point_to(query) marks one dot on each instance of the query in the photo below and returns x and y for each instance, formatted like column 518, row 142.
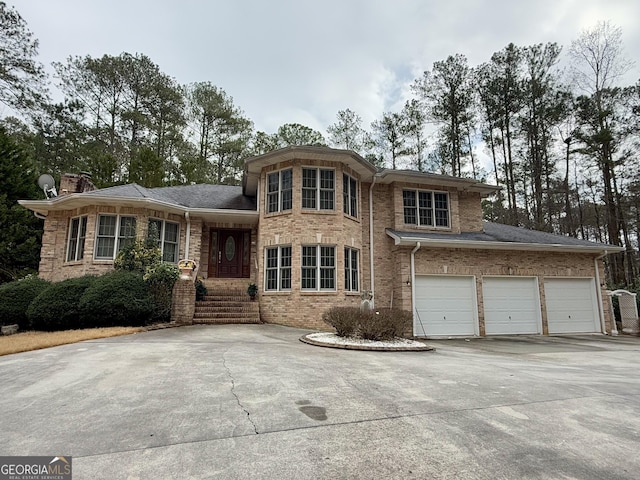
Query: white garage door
column 511, row 305
column 446, row 305
column 571, row 305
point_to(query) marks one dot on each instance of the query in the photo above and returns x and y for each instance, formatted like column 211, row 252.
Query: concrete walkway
column 251, row 401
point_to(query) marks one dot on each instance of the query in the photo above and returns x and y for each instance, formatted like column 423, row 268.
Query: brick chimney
column 76, row 183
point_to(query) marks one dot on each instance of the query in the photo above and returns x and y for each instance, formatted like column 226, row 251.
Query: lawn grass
column 27, row 341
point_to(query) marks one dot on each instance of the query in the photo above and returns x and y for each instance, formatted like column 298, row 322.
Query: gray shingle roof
column 191, row 196
column 497, row 232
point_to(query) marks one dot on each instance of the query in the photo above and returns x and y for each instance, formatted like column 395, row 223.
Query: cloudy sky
column 287, row 61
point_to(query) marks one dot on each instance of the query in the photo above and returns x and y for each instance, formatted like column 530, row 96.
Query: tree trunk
column 569, row 228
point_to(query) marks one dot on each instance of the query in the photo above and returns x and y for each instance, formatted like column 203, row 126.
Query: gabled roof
column 501, row 237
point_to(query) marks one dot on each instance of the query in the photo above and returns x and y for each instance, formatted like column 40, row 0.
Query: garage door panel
column 511, row 305
column 445, row 305
column 571, row 305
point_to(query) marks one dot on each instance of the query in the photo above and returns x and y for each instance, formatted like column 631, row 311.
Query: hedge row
column 15, row 298
column 382, row 324
column 118, row 298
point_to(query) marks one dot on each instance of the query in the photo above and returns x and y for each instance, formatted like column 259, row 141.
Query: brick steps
column 228, row 316
column 227, row 298
column 227, row 284
column 239, row 308
column 226, row 305
column 224, row 321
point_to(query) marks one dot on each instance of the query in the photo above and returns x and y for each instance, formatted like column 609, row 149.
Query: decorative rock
column 9, row 329
column 331, row 340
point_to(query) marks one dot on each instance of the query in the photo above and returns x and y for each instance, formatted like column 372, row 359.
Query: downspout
column 188, row 235
column 258, row 196
column 39, row 215
column 599, row 295
column 258, row 246
column 372, row 282
column 413, row 276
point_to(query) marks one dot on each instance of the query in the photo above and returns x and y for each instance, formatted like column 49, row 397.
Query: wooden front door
column 229, row 253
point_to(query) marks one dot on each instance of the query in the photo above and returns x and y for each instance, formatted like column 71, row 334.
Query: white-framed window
column 167, row 236
column 278, row 268
column 279, row 191
column 426, row 208
column 349, row 195
column 351, row 270
column 113, row 233
column 318, row 267
column 318, row 189
column 77, row 235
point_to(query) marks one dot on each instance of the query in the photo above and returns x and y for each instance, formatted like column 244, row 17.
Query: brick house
column 316, row 227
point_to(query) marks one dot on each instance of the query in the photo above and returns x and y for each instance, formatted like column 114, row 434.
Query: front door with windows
column 229, row 253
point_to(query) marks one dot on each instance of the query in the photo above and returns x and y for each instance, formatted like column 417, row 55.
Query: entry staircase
column 226, row 302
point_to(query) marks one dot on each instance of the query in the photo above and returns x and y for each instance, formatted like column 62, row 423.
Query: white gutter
column 187, row 235
column 373, row 289
column 614, row 329
column 497, row 245
column 76, row 200
column 258, row 197
column 413, row 277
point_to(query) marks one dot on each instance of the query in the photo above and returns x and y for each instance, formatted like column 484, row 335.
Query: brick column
column 183, row 302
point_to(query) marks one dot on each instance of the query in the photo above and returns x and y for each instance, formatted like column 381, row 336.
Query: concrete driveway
column 253, row 402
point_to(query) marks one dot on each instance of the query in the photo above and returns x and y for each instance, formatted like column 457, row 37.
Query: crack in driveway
column 233, row 392
column 362, row 421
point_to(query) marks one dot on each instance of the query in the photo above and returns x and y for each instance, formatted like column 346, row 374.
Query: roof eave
column 495, row 245
column 43, row 207
column 78, row 200
column 237, row 216
column 463, row 184
column 253, row 166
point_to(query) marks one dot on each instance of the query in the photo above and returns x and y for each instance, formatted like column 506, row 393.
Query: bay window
column 318, row 267
column 318, row 189
column 76, row 240
column 349, row 195
column 279, row 191
column 167, row 237
column 114, row 232
column 351, row 271
column 278, row 268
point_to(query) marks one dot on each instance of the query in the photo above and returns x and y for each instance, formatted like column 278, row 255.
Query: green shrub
column 201, row 290
column 118, row 298
column 57, row 307
column 137, row 256
column 344, row 319
column 384, row 324
column 160, row 277
column 15, row 298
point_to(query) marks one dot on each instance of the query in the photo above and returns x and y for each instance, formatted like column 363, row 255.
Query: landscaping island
column 331, row 340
